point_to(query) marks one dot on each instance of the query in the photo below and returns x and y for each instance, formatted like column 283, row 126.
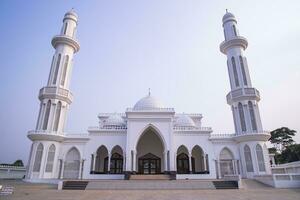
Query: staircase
column 74, row 185
column 226, row 184
column 150, row 177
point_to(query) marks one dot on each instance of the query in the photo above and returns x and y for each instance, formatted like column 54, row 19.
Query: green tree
column 18, row 163
column 282, row 137
column 290, row 154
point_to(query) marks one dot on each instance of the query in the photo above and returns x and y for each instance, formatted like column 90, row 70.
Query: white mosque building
column 149, row 138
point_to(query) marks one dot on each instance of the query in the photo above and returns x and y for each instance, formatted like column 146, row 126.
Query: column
column 204, row 162
column 190, row 163
column 134, row 161
column 124, row 162
column 94, row 162
column 165, row 161
column 219, row 169
column 80, row 168
column 62, row 169
column 108, row 162
column 233, row 166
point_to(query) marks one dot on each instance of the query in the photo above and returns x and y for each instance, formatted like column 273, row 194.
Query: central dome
column 148, row 103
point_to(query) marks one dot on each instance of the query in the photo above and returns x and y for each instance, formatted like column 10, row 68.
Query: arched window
column 63, row 78
column 52, row 62
column 260, row 158
column 252, row 116
column 234, row 30
column 56, row 68
column 242, row 117
column 46, row 117
column 38, row 158
column 65, row 29
column 235, row 74
column 183, row 166
column 57, row 116
column 243, row 70
column 50, row 158
column 248, row 159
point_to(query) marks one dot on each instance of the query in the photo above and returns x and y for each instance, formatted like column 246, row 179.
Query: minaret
column 243, row 97
column 55, row 101
column 56, row 97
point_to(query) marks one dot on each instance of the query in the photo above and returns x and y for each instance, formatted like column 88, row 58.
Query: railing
column 187, row 128
column 253, row 132
column 94, row 128
column 45, row 132
column 222, row 135
column 241, row 92
column 56, row 91
column 151, row 110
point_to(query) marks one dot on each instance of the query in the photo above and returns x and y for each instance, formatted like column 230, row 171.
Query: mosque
column 149, row 138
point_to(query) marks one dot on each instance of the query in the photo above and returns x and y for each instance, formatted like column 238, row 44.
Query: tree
column 290, row 154
column 18, row 163
column 282, row 137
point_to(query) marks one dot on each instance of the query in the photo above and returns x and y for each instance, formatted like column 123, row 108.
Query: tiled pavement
column 27, row 191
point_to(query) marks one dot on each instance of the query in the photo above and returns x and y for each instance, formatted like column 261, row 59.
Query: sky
column 170, row 46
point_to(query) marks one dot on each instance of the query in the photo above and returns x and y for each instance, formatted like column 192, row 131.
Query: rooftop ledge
column 151, row 110
column 53, row 135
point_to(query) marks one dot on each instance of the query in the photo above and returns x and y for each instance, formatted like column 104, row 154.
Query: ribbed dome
column 148, row 103
column 114, row 120
column 228, row 16
column 184, row 120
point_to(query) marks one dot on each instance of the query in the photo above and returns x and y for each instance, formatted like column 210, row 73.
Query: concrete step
column 226, row 184
column 149, row 184
column 74, row 185
column 150, row 177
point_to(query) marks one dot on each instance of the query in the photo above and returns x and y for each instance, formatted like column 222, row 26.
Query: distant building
column 148, row 138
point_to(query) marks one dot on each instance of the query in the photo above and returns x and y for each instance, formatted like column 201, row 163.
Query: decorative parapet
column 237, row 41
column 191, row 128
column 222, row 136
column 56, row 93
column 243, row 94
column 152, row 110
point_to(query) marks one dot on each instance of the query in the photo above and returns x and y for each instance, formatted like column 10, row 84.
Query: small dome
column 228, row 17
column 184, row 120
column 71, row 15
column 148, row 103
column 114, row 120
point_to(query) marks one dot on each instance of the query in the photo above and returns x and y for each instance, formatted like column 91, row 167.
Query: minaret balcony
column 242, row 94
column 64, row 39
column 45, row 135
column 56, row 93
column 238, row 41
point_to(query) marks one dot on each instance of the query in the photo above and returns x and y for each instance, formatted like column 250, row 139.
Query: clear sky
column 170, row 46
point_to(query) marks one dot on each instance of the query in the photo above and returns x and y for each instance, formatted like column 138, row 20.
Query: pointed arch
column 57, row 116
column 248, row 158
column 116, row 160
column 260, row 158
column 225, row 159
column 47, row 113
column 235, row 73
column 198, row 159
column 182, row 160
column 155, row 130
column 56, row 69
column 101, row 160
column 38, row 158
column 50, row 158
column 242, row 116
column 72, row 164
column 252, row 116
column 150, row 142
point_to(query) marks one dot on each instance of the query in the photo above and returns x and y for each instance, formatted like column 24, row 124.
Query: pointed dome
column 148, row 103
column 114, row 120
column 228, row 17
column 184, row 120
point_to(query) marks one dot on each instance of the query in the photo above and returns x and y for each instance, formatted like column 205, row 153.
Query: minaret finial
column 149, row 91
column 226, row 10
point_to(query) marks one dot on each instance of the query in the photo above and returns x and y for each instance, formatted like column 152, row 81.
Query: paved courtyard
column 27, row 191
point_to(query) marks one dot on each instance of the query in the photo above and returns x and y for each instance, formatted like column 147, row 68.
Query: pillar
column 94, row 162
column 108, row 162
column 190, row 163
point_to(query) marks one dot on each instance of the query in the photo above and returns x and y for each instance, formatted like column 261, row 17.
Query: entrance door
column 149, row 164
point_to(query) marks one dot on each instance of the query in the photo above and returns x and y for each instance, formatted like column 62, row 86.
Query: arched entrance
column 226, row 162
column 72, row 164
column 116, row 160
column 101, row 166
column 182, row 160
column 149, row 155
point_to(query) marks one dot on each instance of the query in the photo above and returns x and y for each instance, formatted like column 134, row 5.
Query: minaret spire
column 243, row 97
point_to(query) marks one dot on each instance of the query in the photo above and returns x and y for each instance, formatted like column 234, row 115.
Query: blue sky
column 170, row 46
